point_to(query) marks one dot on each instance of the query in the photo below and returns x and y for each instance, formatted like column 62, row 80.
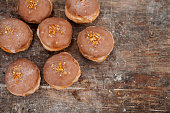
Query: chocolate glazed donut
column 95, row 43
column 82, row 11
column 61, row 70
column 22, row 77
column 55, row 33
column 34, row 11
column 15, row 35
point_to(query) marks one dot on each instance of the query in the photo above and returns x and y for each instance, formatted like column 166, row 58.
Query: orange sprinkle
column 94, row 38
column 60, row 68
column 15, row 67
column 118, row 93
column 9, row 30
column 61, row 32
column 32, row 4
column 16, row 82
column 16, row 75
column 53, row 29
column 84, row 3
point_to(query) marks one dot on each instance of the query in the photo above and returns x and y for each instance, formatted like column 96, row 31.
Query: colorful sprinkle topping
column 9, row 30
column 53, row 29
column 94, row 38
column 60, row 68
column 32, row 4
column 17, row 75
column 82, row 1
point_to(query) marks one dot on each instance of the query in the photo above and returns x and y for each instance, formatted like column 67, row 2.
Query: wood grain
column 134, row 78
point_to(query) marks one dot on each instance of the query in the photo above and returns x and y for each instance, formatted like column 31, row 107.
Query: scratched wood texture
column 134, row 78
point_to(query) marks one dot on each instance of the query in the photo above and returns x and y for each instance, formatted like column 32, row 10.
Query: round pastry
column 55, row 33
column 95, row 43
column 15, row 35
column 61, row 71
column 82, row 11
column 34, row 11
column 22, row 77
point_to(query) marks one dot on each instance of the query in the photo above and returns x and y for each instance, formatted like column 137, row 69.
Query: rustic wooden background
column 134, row 78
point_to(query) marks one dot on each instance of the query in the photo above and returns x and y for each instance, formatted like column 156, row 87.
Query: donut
column 82, row 11
column 55, row 33
column 61, row 71
column 22, row 77
column 15, row 35
column 95, row 43
column 34, row 11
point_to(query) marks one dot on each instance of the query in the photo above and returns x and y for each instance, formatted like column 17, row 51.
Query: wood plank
column 134, row 78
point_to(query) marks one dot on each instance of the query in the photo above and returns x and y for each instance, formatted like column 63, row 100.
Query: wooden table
column 134, row 78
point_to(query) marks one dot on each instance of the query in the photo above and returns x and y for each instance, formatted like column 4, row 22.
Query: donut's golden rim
column 80, row 19
column 100, row 59
column 63, row 87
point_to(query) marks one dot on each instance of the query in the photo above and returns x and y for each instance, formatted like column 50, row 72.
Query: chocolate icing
column 88, row 48
column 83, row 9
column 71, row 70
column 16, row 37
column 27, row 81
column 62, row 40
column 41, row 11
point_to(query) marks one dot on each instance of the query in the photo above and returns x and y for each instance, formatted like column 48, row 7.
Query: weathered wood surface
column 134, row 78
